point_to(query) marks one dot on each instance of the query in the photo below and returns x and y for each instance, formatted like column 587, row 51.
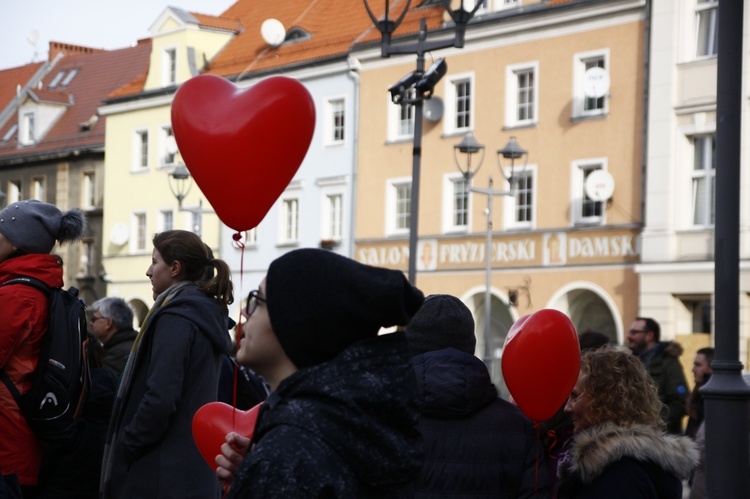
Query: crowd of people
column 345, row 410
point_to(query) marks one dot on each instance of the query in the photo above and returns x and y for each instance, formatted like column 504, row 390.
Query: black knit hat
column 320, row 303
column 442, row 322
column 33, row 226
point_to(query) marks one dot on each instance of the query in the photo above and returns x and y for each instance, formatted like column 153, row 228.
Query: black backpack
column 61, row 380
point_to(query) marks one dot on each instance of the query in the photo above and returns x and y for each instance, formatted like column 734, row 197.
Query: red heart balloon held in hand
column 242, row 146
column 540, row 362
column 213, row 421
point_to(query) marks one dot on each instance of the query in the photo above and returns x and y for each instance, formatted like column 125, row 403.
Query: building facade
column 524, row 72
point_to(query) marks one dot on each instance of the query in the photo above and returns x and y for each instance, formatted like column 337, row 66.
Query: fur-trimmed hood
column 595, row 448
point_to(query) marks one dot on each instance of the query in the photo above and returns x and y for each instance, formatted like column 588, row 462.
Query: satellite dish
column 33, row 37
column 273, row 32
column 596, row 82
column 119, row 234
column 599, row 185
column 170, row 144
column 433, row 109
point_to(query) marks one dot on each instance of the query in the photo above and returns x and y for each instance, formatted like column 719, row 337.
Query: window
column 455, row 203
column 69, row 78
column 521, row 98
column 89, row 190
column 520, row 209
column 704, row 180
column 333, row 219
column 289, row 221
column 401, row 119
column 56, row 80
column 29, row 124
column 251, row 237
column 459, row 104
column 196, row 223
column 13, row 129
column 88, row 257
column 693, row 314
column 139, row 229
column 707, row 12
column 15, row 192
column 585, row 209
column 140, row 150
column 167, row 146
column 335, row 121
column 398, row 206
column 37, row 189
column 169, row 68
column 587, row 105
column 167, row 220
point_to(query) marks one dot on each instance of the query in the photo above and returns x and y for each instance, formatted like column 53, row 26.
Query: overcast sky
column 109, row 24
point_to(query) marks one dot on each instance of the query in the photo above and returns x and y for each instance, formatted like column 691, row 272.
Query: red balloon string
column 553, row 436
column 237, row 238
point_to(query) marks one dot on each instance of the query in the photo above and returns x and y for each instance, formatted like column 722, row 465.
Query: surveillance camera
column 433, row 75
column 399, row 89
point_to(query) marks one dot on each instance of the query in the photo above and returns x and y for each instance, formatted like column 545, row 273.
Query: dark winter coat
column 342, row 429
column 117, row 350
column 626, row 463
column 175, row 372
column 663, row 364
column 476, row 444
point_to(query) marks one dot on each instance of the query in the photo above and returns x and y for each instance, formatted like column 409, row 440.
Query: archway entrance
column 501, row 319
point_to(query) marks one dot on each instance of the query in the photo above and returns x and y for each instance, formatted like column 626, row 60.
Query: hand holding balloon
column 540, row 362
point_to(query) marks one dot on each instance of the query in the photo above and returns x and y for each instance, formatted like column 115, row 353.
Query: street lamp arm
column 419, row 47
column 492, row 192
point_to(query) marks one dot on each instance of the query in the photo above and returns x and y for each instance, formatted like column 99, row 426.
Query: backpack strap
column 34, row 283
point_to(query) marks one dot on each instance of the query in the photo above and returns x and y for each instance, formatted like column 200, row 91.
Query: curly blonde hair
column 619, row 389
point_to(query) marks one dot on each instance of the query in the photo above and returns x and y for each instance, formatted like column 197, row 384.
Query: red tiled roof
column 334, row 25
column 50, row 96
column 11, row 78
column 99, row 73
column 218, row 22
column 559, row 2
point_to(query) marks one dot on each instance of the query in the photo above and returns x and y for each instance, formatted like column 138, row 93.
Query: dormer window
column 296, row 35
column 169, row 66
column 29, row 128
column 69, row 78
column 59, row 76
column 10, row 132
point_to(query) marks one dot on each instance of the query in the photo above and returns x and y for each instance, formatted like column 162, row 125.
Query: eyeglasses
column 95, row 318
column 252, row 302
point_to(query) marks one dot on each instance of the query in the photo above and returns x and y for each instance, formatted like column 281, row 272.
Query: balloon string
column 237, row 238
column 537, row 424
column 553, row 436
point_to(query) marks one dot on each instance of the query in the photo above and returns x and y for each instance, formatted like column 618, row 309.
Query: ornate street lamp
column 417, row 86
column 180, row 183
column 468, row 148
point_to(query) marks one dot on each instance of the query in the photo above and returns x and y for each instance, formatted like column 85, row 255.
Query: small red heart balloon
column 212, row 423
column 242, row 146
column 540, row 362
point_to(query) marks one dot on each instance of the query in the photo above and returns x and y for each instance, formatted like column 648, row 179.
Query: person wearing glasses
column 662, row 362
column 341, row 419
column 112, row 326
column 173, row 370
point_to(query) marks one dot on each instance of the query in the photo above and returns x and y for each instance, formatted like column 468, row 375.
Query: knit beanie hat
column 33, row 226
column 442, row 322
column 320, row 303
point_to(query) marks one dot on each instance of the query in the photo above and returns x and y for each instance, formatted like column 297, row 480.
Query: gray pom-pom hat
column 33, row 226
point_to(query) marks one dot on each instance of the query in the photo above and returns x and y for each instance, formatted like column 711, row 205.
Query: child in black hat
column 341, row 420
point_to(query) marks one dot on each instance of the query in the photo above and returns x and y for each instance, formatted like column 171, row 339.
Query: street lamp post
column 416, row 87
column 469, row 146
column 180, row 183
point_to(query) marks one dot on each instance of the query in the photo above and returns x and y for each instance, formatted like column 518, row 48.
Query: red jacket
column 23, row 322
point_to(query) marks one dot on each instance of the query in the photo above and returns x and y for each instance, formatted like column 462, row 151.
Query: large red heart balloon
column 540, row 362
column 242, row 146
column 213, row 421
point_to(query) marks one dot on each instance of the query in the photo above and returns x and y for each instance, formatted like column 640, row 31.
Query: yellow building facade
column 141, row 155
